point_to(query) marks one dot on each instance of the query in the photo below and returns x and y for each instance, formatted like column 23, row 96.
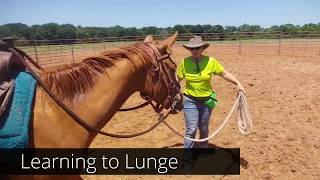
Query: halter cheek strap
column 159, row 71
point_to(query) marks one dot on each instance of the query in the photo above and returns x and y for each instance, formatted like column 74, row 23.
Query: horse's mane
column 69, row 81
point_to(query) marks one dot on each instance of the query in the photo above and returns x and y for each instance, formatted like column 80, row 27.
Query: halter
column 160, row 72
column 158, row 68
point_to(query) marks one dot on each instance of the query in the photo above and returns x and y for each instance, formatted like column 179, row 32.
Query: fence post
column 61, row 49
column 319, row 52
column 252, row 47
column 104, row 44
column 35, row 51
column 72, row 53
column 49, row 52
column 239, row 44
column 279, row 45
column 291, row 45
column 305, row 48
column 204, row 36
column 95, row 46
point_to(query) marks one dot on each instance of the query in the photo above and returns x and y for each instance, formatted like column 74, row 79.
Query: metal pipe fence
column 63, row 51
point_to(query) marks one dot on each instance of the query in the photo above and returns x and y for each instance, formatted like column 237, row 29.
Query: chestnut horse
column 94, row 89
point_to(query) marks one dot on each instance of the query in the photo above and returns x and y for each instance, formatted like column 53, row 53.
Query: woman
column 197, row 70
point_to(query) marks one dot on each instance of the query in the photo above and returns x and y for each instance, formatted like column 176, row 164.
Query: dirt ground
column 284, row 101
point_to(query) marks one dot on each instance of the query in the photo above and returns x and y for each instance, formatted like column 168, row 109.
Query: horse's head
column 162, row 85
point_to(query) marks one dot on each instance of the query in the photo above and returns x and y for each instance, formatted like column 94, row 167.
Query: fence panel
column 62, row 51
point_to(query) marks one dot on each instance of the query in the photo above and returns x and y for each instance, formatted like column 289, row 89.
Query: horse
column 95, row 89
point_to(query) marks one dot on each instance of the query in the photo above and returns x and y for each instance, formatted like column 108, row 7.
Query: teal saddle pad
column 15, row 121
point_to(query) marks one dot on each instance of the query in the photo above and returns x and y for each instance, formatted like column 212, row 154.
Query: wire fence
column 63, row 51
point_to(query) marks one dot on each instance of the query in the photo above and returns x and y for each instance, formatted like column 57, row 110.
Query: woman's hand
column 240, row 87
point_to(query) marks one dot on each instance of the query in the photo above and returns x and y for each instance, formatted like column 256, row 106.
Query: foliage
column 68, row 31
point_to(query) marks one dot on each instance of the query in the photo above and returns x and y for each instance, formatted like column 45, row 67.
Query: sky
column 160, row 13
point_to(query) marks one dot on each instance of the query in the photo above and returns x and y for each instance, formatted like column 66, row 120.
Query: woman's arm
column 229, row 77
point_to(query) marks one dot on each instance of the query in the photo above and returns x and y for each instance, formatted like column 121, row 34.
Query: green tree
column 255, row 28
column 244, row 28
column 290, row 28
column 217, row 29
column 149, row 30
column 230, row 29
column 50, row 31
column 67, row 31
column 179, row 28
column 197, row 29
column 311, row 27
column 18, row 30
column 274, row 28
column 37, row 32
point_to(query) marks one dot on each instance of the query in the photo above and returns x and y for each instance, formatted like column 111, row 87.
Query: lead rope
column 244, row 120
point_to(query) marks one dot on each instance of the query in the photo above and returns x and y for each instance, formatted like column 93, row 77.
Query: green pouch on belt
column 212, row 101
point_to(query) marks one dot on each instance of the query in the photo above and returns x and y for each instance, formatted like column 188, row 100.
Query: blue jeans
column 197, row 115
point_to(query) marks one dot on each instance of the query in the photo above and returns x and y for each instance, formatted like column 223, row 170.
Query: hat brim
column 190, row 46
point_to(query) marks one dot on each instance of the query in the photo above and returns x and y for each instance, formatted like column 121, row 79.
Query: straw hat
column 195, row 42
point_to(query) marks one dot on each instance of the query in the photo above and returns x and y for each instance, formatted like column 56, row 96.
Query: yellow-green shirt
column 198, row 83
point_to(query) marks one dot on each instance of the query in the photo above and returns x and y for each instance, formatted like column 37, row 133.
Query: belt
column 202, row 99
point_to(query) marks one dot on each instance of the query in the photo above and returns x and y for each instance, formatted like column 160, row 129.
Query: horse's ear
column 166, row 44
column 148, row 39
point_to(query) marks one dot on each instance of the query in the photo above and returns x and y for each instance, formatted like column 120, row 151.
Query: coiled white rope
column 244, row 120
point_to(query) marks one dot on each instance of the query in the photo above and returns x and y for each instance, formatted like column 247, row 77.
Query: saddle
column 8, row 63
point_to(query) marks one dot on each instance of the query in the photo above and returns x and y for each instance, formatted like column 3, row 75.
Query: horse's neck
column 53, row 127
